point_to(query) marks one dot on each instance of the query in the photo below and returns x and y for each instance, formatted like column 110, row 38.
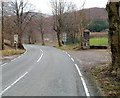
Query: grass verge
column 67, row 47
column 109, row 83
column 11, row 52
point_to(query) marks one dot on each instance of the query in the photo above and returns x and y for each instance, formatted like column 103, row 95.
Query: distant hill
column 96, row 13
column 92, row 13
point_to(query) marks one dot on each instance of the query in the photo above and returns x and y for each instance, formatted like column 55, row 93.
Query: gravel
column 91, row 58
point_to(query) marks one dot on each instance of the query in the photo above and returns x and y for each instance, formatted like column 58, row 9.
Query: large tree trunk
column 114, row 22
column 20, row 45
column 29, row 39
column 81, row 41
column 12, row 38
column 58, row 37
column 42, row 36
column 2, row 26
column 43, row 43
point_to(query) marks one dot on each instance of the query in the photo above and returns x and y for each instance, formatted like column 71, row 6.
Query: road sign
column 16, row 38
column 64, row 37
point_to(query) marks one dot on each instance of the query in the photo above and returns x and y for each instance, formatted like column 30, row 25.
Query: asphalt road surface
column 43, row 71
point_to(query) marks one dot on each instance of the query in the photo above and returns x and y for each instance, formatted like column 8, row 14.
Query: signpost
column 64, row 37
column 16, row 40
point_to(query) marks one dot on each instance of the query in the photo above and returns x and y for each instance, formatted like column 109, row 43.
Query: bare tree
column 83, row 22
column 8, row 29
column 40, row 23
column 58, row 9
column 75, row 22
column 70, row 21
column 22, row 17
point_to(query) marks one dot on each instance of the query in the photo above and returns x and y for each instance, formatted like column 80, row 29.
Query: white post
column 16, row 40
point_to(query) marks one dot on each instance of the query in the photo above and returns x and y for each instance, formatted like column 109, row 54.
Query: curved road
column 43, row 71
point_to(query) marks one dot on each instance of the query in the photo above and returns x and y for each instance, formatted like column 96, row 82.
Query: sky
column 45, row 7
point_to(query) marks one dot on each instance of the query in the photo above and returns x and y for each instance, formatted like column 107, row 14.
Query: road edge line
column 72, row 59
column 83, row 81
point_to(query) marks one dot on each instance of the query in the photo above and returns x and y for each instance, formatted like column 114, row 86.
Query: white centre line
column 83, row 81
column 40, row 57
column 13, row 83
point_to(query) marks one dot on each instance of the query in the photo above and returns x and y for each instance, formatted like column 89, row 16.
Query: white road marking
column 13, row 83
column 78, row 70
column 40, row 57
column 83, row 81
column 72, row 59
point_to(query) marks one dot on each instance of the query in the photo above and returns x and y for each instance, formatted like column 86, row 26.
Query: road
column 43, row 71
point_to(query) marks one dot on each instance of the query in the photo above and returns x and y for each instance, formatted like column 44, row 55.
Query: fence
column 91, row 39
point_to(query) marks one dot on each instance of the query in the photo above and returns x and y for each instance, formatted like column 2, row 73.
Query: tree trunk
column 2, row 27
column 114, row 30
column 20, row 45
column 81, row 39
column 29, row 39
column 43, row 43
column 12, row 38
column 58, row 37
column 42, row 36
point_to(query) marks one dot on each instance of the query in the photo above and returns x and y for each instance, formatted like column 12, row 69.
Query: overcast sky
column 44, row 5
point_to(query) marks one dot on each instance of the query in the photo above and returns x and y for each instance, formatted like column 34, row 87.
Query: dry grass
column 48, row 43
column 68, row 47
column 11, row 52
column 107, row 81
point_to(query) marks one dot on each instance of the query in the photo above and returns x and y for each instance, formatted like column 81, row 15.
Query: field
column 98, row 41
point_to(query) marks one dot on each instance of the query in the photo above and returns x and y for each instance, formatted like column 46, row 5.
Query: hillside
column 96, row 13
